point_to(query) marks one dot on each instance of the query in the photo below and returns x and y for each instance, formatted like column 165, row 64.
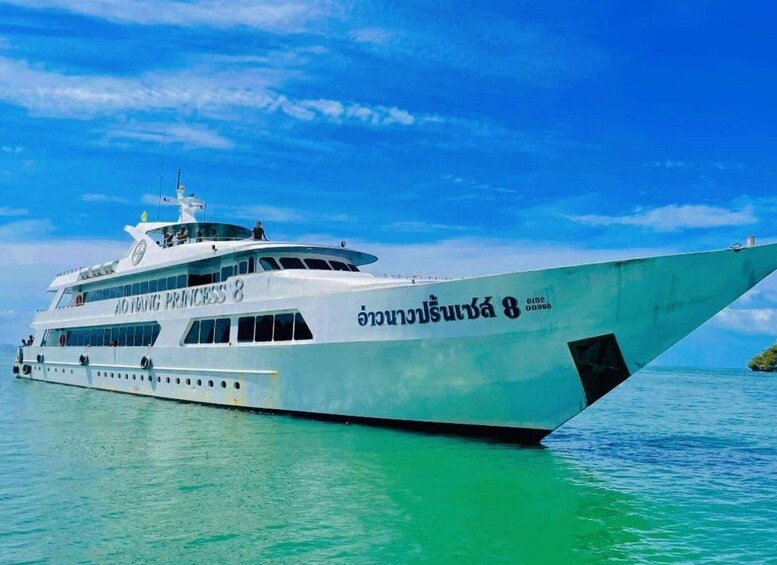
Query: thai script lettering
column 430, row 312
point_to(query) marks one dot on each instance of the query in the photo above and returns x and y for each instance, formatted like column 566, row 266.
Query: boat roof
column 154, row 247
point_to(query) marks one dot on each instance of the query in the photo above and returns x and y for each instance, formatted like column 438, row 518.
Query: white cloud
column 97, row 197
column 674, row 217
column 265, row 213
column 749, row 321
column 278, row 15
column 11, row 149
column 193, row 136
column 207, row 92
column 422, row 227
column 153, row 200
column 670, row 164
column 25, row 229
column 6, row 211
column 372, row 35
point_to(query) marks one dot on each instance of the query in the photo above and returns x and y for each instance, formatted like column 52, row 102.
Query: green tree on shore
column 765, row 361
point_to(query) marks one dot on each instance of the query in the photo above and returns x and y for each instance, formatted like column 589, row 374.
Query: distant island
column 766, row 361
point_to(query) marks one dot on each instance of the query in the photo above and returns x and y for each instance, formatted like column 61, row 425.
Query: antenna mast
column 207, row 175
column 161, row 177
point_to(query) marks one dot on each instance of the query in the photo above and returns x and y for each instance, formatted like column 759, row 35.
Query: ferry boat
column 204, row 312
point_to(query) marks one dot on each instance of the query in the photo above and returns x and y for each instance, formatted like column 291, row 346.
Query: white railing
column 421, row 277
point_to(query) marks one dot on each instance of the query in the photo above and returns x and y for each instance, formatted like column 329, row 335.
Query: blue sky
column 444, row 136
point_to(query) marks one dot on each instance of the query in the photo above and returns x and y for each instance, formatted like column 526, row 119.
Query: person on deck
column 182, row 236
column 31, row 340
column 258, row 233
column 168, row 240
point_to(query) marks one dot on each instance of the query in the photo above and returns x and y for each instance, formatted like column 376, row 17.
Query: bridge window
column 319, row 264
column 269, row 264
column 292, row 263
column 338, row 265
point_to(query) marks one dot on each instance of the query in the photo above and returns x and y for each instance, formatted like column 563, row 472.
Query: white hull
column 496, row 375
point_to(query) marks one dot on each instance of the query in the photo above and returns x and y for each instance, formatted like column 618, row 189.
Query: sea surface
column 673, row 466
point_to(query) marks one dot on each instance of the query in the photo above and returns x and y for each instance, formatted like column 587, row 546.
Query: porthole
column 188, row 382
column 210, row 384
column 134, row 377
column 126, row 377
column 199, row 382
column 167, row 380
column 141, row 377
column 98, row 373
column 159, row 379
column 48, row 369
column 223, row 384
column 177, row 381
column 237, row 385
column 71, row 371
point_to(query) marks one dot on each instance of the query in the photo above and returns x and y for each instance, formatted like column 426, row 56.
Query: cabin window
column 245, row 329
column 138, row 336
column 222, row 330
column 301, row 329
column 194, row 334
column 251, row 264
column 243, row 267
column 353, row 267
column 148, row 335
column 153, row 286
column 338, row 265
column 292, row 263
column 119, row 335
column 318, row 264
column 162, row 284
column 269, row 264
column 112, row 292
column 181, row 281
column 227, row 272
column 264, row 328
column 144, row 287
column 170, row 283
column 135, row 289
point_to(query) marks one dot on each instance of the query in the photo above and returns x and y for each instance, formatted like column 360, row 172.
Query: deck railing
column 428, row 278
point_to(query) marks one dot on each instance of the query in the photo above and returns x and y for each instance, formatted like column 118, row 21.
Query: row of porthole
column 210, row 383
column 48, row 369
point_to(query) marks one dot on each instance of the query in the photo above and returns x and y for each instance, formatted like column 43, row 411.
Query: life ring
column 145, row 363
column 40, row 358
column 26, row 369
column 62, row 340
column 83, row 360
column 79, row 299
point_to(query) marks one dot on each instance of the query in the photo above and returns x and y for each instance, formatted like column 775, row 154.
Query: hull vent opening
column 600, row 363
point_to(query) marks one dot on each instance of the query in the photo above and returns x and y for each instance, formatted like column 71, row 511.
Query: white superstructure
column 203, row 312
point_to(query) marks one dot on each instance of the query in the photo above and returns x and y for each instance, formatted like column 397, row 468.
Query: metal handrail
column 421, row 277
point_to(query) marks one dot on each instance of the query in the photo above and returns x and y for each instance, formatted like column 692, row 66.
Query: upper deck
column 160, row 246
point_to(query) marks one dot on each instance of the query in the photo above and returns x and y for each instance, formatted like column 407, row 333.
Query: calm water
column 672, row 467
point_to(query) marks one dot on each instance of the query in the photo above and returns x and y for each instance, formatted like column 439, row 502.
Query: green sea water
column 674, row 466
